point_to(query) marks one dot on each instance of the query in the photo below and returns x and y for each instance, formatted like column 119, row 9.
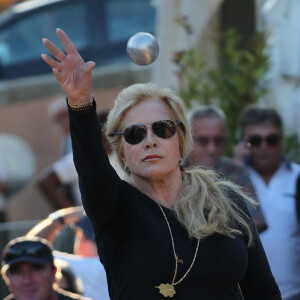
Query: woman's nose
column 150, row 139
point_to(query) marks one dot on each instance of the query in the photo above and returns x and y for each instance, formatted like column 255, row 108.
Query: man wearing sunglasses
column 29, row 272
column 274, row 179
column 208, row 125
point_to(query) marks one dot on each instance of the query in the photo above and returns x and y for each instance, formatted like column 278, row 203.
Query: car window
column 22, row 41
column 123, row 20
column 98, row 28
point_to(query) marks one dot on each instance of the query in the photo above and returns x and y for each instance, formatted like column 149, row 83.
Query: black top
column 134, row 242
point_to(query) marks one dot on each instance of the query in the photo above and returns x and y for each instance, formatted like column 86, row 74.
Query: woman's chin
column 157, row 173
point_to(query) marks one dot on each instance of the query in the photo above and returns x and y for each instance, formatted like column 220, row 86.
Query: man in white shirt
column 274, row 180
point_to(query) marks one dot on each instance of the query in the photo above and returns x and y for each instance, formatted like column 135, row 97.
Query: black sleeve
column 100, row 186
column 259, row 282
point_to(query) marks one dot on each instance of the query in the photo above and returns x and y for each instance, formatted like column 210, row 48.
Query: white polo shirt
column 281, row 240
column 90, row 271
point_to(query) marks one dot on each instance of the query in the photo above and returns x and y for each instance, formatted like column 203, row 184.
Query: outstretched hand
column 72, row 73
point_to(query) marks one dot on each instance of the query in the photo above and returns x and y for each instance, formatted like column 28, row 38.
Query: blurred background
column 249, row 47
column 226, row 52
column 230, row 52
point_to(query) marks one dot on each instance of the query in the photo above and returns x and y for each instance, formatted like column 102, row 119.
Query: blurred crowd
column 59, row 254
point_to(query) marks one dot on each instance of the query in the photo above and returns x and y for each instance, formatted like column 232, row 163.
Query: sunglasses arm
column 116, row 133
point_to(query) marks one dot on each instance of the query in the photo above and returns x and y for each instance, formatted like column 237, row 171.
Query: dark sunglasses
column 134, row 134
column 271, row 140
column 25, row 250
column 203, row 141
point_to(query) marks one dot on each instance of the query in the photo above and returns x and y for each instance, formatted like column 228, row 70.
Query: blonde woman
column 165, row 232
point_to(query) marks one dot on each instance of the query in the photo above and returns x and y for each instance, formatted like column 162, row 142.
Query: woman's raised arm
column 72, row 73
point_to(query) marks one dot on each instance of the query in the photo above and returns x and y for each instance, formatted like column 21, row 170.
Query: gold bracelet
column 82, row 106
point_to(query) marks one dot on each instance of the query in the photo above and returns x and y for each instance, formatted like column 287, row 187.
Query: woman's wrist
column 79, row 99
column 81, row 106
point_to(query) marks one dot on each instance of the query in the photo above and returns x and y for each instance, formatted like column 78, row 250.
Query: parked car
column 99, row 29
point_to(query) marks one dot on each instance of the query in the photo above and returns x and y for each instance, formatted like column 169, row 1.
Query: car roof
column 22, row 7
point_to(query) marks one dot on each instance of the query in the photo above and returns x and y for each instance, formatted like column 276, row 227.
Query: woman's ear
column 123, row 157
column 124, row 160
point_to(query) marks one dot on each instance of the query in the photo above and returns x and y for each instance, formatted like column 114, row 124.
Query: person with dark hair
column 29, row 271
column 208, row 125
column 165, row 231
column 274, row 179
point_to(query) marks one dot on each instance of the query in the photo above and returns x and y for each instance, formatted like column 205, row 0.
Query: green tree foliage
column 236, row 83
column 292, row 148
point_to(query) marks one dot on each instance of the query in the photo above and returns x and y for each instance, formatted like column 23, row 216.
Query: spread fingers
column 57, row 53
column 50, row 61
column 66, row 42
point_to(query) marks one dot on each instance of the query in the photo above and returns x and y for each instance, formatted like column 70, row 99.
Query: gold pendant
column 167, row 290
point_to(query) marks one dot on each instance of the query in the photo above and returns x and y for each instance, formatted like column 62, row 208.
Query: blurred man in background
column 208, row 125
column 84, row 263
column 29, row 272
column 274, row 179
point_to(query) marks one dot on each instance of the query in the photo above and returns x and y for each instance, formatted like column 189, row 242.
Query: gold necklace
column 167, row 289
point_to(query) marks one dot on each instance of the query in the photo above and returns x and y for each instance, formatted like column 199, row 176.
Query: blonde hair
column 206, row 204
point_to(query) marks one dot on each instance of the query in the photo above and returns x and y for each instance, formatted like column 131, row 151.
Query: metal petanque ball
column 142, row 48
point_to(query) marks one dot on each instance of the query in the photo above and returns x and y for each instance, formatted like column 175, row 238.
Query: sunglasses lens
column 201, row 140
column 219, row 141
column 164, row 129
column 254, row 140
column 204, row 141
column 135, row 134
column 273, row 139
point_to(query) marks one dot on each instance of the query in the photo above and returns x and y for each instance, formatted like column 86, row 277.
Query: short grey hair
column 206, row 111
